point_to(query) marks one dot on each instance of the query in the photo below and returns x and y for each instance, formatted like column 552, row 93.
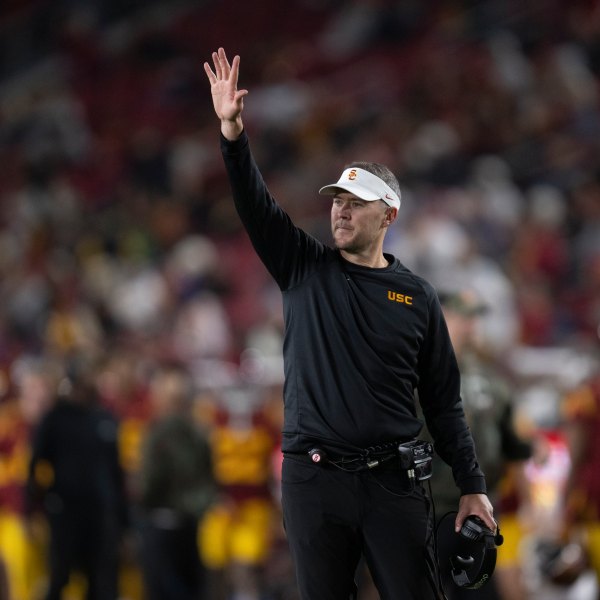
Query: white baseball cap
column 363, row 185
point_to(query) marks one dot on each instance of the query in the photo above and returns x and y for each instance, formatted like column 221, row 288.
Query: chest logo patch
column 401, row 298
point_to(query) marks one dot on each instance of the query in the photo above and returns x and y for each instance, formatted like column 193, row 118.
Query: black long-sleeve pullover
column 359, row 342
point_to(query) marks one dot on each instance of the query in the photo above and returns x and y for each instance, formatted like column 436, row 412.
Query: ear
column 390, row 216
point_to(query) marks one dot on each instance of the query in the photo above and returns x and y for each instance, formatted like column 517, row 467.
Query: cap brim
column 357, row 190
column 469, row 307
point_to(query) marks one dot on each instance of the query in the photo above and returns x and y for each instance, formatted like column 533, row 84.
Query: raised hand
column 228, row 101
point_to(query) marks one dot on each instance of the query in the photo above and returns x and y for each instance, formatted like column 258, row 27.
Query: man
column 176, row 487
column 501, row 452
column 362, row 333
column 75, row 475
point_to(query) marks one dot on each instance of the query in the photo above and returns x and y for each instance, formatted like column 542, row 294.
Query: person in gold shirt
column 236, row 534
column 23, row 537
column 581, row 425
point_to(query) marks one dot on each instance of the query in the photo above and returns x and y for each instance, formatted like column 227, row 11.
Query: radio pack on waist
column 414, row 457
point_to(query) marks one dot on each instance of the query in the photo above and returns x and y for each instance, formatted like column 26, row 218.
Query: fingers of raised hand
column 224, row 64
column 209, row 72
column 223, row 71
column 218, row 67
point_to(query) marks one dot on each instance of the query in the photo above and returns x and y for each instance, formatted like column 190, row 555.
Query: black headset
column 469, row 555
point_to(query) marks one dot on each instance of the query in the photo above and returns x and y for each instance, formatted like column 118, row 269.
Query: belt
column 352, row 463
column 369, row 458
column 414, row 457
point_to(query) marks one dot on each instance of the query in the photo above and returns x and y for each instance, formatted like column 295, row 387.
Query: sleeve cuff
column 233, row 147
column 472, row 485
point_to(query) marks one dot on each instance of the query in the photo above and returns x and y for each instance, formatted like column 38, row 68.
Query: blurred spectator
column 75, row 474
column 176, row 486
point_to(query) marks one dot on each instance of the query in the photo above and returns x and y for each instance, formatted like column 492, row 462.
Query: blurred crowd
column 133, row 307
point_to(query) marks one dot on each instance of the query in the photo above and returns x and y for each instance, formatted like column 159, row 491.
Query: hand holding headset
column 470, row 554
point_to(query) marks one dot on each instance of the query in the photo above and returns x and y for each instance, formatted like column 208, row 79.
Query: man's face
column 462, row 329
column 357, row 224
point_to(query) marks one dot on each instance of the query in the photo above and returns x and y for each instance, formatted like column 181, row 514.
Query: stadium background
column 118, row 241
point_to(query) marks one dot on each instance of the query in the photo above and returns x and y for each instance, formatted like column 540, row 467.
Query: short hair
column 379, row 170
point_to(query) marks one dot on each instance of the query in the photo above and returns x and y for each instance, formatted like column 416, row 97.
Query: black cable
column 432, row 536
column 434, row 531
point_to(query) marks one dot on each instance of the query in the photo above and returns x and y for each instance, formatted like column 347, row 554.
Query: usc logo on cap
column 352, row 174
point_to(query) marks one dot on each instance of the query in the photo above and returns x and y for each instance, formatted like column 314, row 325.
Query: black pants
column 171, row 562
column 333, row 517
column 86, row 540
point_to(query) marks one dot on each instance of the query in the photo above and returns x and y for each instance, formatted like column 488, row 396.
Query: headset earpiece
column 498, row 538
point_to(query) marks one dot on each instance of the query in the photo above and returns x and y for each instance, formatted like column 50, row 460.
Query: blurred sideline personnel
column 236, row 534
column 176, row 486
column 501, row 452
column 361, row 334
column 76, row 478
column 581, row 415
column 23, row 542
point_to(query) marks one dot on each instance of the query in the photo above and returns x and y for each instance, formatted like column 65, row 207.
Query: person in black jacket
column 363, row 338
column 76, row 478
